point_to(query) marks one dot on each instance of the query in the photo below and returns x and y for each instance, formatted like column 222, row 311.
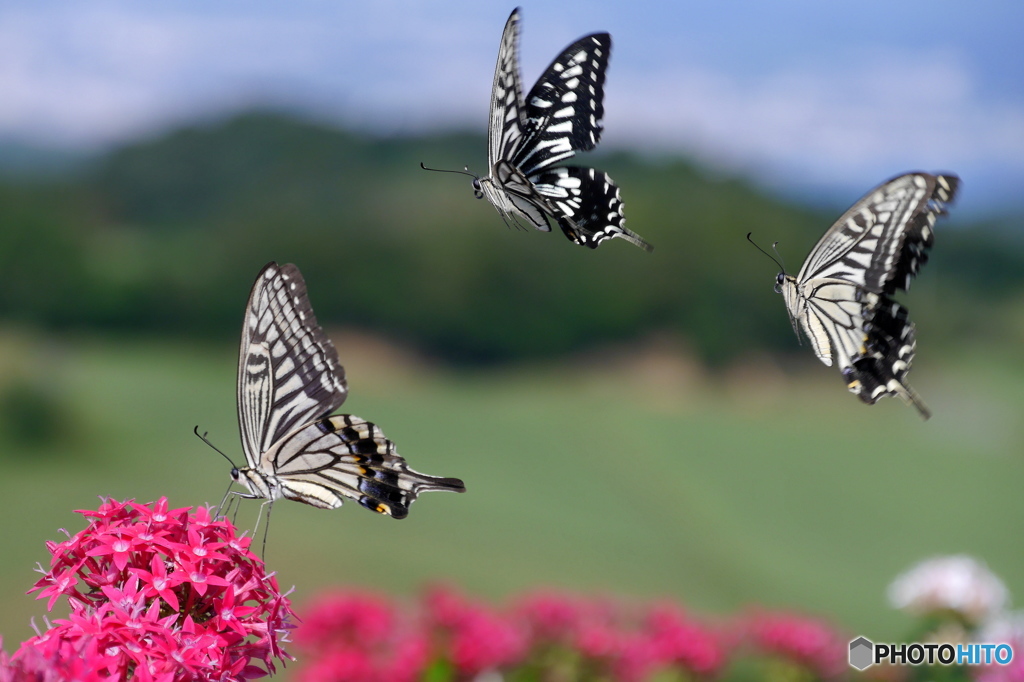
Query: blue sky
column 815, row 98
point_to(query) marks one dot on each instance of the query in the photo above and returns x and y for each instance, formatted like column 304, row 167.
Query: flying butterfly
column 841, row 297
column 560, row 116
column 289, row 383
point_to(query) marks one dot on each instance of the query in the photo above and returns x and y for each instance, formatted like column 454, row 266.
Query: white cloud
column 89, row 74
column 825, row 124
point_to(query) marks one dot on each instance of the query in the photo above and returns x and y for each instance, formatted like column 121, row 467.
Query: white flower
column 958, row 583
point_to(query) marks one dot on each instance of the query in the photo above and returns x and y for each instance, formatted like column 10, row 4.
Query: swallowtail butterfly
column 842, row 296
column 289, row 383
column 560, row 116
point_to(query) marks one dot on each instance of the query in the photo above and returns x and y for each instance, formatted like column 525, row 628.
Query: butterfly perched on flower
column 289, row 383
column 561, row 115
column 841, row 297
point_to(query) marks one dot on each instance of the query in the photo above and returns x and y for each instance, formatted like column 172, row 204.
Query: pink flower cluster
column 812, row 644
column 156, row 594
column 350, row 636
column 359, row 637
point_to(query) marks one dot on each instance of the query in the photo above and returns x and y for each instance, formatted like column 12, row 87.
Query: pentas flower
column 476, row 639
column 668, row 640
column 158, row 594
column 808, row 642
column 682, row 642
column 549, row 615
column 958, row 584
column 341, row 617
column 357, row 637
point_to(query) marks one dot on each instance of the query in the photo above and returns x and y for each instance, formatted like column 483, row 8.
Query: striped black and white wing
column 505, row 129
column 841, row 297
column 565, row 107
column 882, row 241
column 288, row 370
column 589, row 205
column 344, row 456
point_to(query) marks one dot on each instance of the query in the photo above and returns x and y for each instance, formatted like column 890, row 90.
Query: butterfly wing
column 564, row 109
column 882, row 241
column 589, row 205
column 344, row 456
column 521, row 195
column 505, row 129
column 288, row 370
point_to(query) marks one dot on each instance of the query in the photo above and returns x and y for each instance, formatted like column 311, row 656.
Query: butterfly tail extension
column 390, row 487
column 910, row 397
column 888, row 351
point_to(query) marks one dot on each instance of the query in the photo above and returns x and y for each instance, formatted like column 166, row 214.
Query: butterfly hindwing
column 288, row 370
column 589, row 205
column 345, row 456
column 524, row 197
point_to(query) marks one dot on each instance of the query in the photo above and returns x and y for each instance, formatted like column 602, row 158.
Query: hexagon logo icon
column 861, row 653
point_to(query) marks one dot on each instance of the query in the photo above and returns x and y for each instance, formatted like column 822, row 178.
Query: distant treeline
column 166, row 236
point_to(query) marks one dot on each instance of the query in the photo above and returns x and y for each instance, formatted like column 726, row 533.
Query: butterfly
column 560, row 116
column 841, row 297
column 289, row 383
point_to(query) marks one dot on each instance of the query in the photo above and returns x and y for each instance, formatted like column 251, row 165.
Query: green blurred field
column 629, row 471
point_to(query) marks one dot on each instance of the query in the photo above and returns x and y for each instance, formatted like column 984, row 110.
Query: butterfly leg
column 222, row 501
column 269, row 504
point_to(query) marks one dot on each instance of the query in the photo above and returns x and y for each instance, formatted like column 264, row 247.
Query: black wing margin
column 917, row 237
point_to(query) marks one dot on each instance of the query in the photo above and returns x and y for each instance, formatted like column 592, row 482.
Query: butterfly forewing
column 288, row 370
column 345, row 456
column 565, row 107
column 882, row 241
column 506, row 126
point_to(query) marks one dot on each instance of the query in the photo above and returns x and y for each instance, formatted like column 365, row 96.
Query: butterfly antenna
column 443, row 170
column 778, row 261
column 206, row 440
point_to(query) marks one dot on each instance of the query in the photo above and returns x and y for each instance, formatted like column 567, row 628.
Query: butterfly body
column 560, row 116
column 842, row 297
column 289, row 383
